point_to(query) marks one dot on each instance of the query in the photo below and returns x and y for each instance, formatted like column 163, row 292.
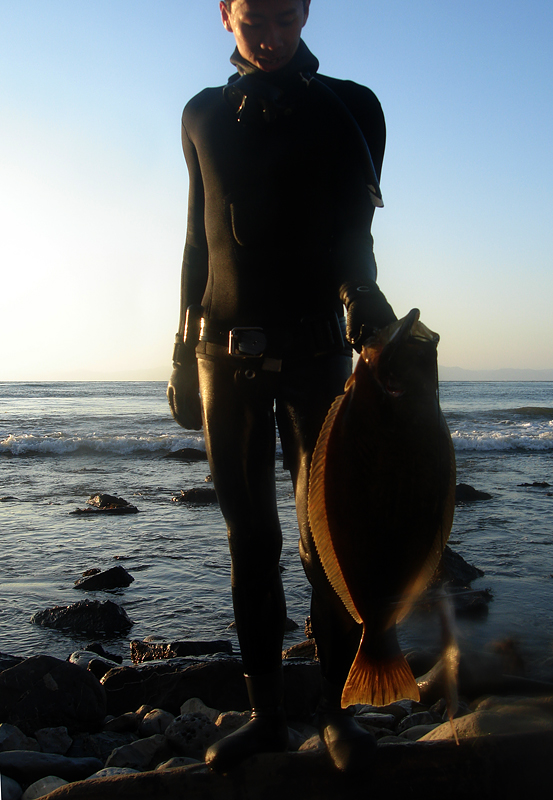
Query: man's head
column 267, row 32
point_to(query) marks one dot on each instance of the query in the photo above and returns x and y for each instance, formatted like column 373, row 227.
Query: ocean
column 62, row 442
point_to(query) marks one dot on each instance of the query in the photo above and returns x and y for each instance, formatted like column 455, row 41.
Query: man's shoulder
column 203, row 100
column 352, row 93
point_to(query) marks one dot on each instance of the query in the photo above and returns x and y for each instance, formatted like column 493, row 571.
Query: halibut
column 382, row 497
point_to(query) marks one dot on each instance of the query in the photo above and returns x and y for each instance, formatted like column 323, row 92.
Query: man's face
column 267, row 32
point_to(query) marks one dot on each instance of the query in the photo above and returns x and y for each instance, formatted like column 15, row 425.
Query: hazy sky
column 93, row 184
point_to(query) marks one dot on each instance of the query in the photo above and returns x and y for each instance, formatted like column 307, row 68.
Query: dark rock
column 469, row 602
column 479, row 673
column 98, row 648
column 44, row 692
column 197, row 496
column 307, row 650
column 86, row 616
column 468, row 494
column 192, row 734
column 7, row 661
column 107, row 501
column 536, row 485
column 454, row 570
column 99, row 745
column 106, row 504
column 156, row 651
column 188, row 454
column 93, row 663
column 26, row 767
column 220, row 684
column 113, row 578
column 479, row 768
column 144, row 754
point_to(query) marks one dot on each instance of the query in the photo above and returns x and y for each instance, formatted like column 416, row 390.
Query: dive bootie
column 266, row 731
column 350, row 747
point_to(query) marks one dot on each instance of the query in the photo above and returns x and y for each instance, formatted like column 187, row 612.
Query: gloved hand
column 183, row 391
column 367, row 311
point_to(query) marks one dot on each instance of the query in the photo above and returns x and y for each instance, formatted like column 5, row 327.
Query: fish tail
column 378, row 681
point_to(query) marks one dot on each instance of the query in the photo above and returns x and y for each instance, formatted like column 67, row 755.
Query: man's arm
column 183, row 389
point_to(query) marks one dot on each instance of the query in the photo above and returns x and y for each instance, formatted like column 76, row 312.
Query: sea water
column 60, row 443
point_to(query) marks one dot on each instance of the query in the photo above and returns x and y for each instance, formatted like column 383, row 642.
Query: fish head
column 403, row 357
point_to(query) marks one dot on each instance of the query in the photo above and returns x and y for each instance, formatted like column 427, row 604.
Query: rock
column 28, row 767
column 536, row 485
column 307, row 650
column 469, row 602
column 12, row 738
column 498, row 716
column 230, row 721
column 99, row 745
column 220, row 684
column 43, row 787
column 109, row 772
column 45, row 692
column 494, row 766
column 479, row 673
column 129, row 721
column 106, row 504
column 192, row 734
column 196, row 706
column 9, row 789
column 98, row 648
column 420, row 718
column 143, row 754
column 416, row 732
column 188, row 454
column 376, row 720
column 197, row 496
column 93, row 663
column 113, row 578
column 156, row 651
column 468, row 494
column 54, row 740
column 178, row 761
column 454, row 570
column 7, row 661
column 155, row 721
column 86, row 616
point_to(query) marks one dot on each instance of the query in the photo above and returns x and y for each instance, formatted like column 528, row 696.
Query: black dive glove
column 367, row 311
column 183, row 391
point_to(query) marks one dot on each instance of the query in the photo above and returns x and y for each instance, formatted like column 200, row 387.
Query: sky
column 93, row 184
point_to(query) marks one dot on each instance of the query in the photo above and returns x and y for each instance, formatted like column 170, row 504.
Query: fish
column 381, row 499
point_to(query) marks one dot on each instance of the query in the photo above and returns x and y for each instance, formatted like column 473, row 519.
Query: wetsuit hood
column 257, row 96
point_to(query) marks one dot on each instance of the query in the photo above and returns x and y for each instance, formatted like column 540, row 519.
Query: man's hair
column 228, row 3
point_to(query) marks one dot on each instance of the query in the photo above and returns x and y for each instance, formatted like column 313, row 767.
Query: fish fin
column 376, row 681
column 440, row 540
column 317, row 513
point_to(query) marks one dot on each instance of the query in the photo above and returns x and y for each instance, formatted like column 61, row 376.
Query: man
column 283, row 169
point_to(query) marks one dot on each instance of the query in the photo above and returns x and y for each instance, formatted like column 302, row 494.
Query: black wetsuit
column 279, row 219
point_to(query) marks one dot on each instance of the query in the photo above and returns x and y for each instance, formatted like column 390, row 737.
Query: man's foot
column 266, row 732
column 350, row 747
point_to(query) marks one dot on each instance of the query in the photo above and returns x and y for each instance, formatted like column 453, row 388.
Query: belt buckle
column 247, row 342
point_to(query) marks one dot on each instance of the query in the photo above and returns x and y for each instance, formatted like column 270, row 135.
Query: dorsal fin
column 317, row 510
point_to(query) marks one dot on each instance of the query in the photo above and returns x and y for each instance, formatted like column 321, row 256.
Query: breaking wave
column 58, row 444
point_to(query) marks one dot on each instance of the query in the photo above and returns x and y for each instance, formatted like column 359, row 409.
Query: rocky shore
column 94, row 727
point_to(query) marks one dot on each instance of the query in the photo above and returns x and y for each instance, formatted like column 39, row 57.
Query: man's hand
column 367, row 311
column 184, row 397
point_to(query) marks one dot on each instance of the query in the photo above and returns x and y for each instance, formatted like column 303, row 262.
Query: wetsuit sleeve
column 195, row 259
column 355, row 261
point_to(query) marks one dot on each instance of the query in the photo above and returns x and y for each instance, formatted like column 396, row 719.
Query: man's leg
column 239, row 431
